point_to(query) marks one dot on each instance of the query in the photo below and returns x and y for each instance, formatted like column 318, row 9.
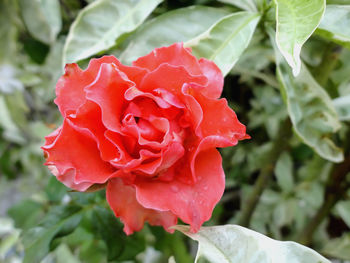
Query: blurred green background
column 289, row 181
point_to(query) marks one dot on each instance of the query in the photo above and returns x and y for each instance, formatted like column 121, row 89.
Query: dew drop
column 205, row 188
column 174, row 188
column 199, row 178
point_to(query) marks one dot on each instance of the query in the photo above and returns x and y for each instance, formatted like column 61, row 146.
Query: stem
column 179, row 249
column 336, row 185
column 264, row 77
column 265, row 174
column 67, row 10
column 335, row 190
column 329, row 61
column 306, row 235
column 254, row 197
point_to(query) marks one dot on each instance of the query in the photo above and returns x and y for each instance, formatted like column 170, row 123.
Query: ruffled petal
column 215, row 84
column 122, row 200
column 120, row 143
column 146, row 131
column 135, row 74
column 133, row 93
column 75, row 150
column 193, row 115
column 107, row 92
column 218, row 118
column 170, row 155
column 70, row 89
column 170, row 78
column 89, row 116
column 192, row 203
column 148, row 162
column 68, row 177
column 149, row 132
column 175, row 55
column 49, row 139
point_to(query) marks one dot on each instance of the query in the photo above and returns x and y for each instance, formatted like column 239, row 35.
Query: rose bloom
column 149, row 132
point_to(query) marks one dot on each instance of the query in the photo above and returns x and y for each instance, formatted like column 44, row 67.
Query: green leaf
column 169, row 28
column 236, row 244
column 9, row 81
column 338, row 247
column 64, row 255
column 91, row 249
column 335, row 24
column 225, row 41
column 296, row 21
column 8, row 31
column 284, row 212
column 311, row 193
column 311, row 111
column 343, row 209
column 55, row 190
column 120, row 247
column 342, row 105
column 18, row 108
column 62, row 220
column 101, row 23
column 11, row 131
column 25, row 214
column 36, row 50
column 9, row 239
column 42, row 18
column 248, row 5
column 171, row 260
column 338, row 2
column 284, row 172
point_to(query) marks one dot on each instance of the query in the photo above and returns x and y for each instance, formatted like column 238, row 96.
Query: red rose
column 149, row 131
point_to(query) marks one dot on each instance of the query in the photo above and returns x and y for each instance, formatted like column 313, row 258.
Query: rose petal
column 171, row 154
column 193, row 114
column 89, row 116
column 67, row 178
column 106, row 91
column 149, row 132
column 169, row 98
column 170, row 78
column 215, row 78
column 150, row 129
column 135, row 74
column 146, row 133
column 192, row 203
column 148, row 162
column 133, row 93
column 119, row 142
column 218, row 118
column 122, row 200
column 72, row 84
column 175, row 55
column 74, row 148
column 49, row 139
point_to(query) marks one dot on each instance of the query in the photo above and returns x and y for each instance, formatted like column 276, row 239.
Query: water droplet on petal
column 174, row 188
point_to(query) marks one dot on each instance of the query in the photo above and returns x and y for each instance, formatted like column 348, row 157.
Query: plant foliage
column 287, row 67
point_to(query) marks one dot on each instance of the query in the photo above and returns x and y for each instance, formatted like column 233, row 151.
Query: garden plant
column 174, row 131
